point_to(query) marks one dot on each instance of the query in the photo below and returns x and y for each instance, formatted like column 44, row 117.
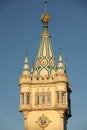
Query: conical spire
column 61, row 65
column 26, row 66
column 45, row 46
column 45, row 63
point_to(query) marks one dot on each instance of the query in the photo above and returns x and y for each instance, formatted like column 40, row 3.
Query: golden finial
column 45, row 18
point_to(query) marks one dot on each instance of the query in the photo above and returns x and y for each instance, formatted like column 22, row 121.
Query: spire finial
column 26, row 52
column 45, row 18
column 45, row 6
column 61, row 64
column 60, row 50
column 26, row 66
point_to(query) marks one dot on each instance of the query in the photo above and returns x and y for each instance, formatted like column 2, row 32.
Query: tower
column 45, row 91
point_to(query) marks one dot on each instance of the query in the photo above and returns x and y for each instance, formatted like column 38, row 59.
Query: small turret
column 26, row 66
column 61, row 65
column 63, row 87
column 26, row 76
column 25, row 88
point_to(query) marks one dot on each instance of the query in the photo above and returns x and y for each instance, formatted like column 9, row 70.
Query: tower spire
column 61, row 64
column 45, row 92
column 45, row 62
column 26, row 66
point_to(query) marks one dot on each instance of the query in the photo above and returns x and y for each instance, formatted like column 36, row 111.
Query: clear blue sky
column 20, row 28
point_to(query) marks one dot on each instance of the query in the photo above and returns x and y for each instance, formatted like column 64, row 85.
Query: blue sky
column 20, row 28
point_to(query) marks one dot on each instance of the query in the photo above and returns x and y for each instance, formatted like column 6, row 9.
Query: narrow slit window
column 27, row 98
column 37, row 99
column 64, row 97
column 22, row 98
column 48, row 98
column 43, row 98
column 57, row 97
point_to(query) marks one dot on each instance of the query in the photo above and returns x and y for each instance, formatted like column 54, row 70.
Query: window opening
column 22, row 98
column 27, row 98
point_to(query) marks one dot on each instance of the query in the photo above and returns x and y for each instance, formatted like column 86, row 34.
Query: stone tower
column 45, row 90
